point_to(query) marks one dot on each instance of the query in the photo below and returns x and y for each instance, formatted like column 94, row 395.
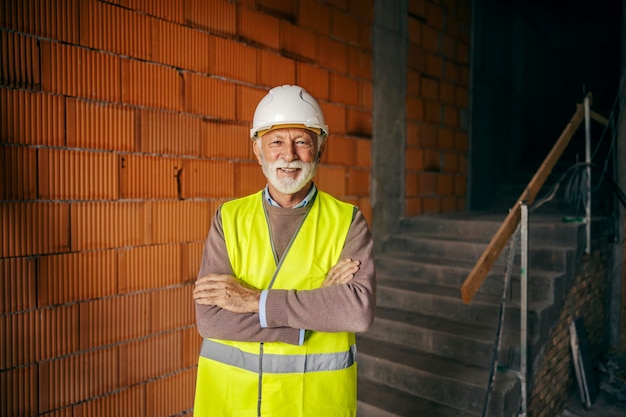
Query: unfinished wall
column 123, row 125
column 554, row 379
column 437, row 106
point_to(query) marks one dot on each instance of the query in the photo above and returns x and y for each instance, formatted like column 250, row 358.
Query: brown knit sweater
column 338, row 308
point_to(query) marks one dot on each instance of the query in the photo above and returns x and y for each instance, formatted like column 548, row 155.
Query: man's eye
column 303, row 143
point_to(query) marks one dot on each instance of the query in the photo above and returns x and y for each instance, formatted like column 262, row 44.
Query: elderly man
column 287, row 278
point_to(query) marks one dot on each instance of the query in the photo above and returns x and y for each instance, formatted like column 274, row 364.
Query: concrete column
column 390, row 42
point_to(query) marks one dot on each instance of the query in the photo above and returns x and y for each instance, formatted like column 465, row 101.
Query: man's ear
column 256, row 150
column 321, row 150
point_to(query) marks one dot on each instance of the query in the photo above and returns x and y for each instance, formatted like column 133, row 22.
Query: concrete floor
column 611, row 400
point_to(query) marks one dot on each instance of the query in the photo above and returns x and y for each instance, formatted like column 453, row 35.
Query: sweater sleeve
column 217, row 323
column 339, row 308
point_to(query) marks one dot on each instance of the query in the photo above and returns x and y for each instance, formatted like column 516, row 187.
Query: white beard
column 288, row 185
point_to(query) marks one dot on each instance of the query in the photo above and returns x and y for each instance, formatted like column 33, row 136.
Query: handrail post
column 588, row 162
column 524, row 304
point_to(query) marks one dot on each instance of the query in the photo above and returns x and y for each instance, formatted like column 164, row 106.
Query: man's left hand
column 227, row 292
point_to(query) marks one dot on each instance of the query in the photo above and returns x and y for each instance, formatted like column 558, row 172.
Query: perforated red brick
column 233, row 60
column 225, row 140
column 214, row 16
column 208, row 179
column 106, row 321
column 191, row 257
column 333, row 54
column 284, row 7
column 180, row 221
column 434, row 15
column 181, row 46
column 344, row 26
column 259, row 28
column 452, row 71
column 358, row 182
column 414, row 28
column 18, row 173
column 332, row 180
column 148, row 267
column 344, row 90
column 171, row 395
column 79, row 72
column 144, row 359
column 73, row 175
column 434, row 66
column 209, row 96
column 432, row 112
column 20, row 61
column 102, row 225
column 250, row 179
column 445, row 185
column 247, row 100
column 413, row 206
column 129, row 402
column 62, row 278
column 314, row 15
column 151, row 85
column 76, row 378
column 363, row 153
column 414, row 159
column 150, row 177
column 21, row 399
column 415, row 109
column 100, row 126
column 17, row 284
column 115, row 29
column 366, row 95
column 340, row 150
column 360, row 63
column 298, row 41
column 31, row 118
column 276, row 70
column 169, row 133
column 172, row 308
column 313, row 79
column 57, row 331
column 54, row 20
column 359, row 122
column 335, row 117
column 33, row 228
column 165, row 9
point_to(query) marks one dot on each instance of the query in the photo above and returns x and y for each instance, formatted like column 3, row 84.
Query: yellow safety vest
column 276, row 379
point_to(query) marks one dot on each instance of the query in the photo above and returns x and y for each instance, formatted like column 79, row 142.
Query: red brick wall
column 123, row 125
column 437, row 103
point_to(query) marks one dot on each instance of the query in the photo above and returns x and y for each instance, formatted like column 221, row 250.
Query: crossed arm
column 228, row 309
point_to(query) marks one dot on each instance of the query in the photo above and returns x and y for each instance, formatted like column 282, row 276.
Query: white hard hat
column 288, row 106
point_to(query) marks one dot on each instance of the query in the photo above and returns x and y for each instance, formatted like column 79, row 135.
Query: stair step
column 541, row 285
column 447, row 303
column 431, row 377
column 554, row 258
column 379, row 400
column 543, row 228
column 435, row 335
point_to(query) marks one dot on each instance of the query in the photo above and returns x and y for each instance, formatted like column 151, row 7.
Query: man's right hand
column 342, row 272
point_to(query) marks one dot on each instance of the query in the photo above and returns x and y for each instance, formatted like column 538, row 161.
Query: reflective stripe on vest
column 278, row 364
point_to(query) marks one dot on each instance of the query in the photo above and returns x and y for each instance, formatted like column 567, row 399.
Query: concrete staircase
column 428, row 353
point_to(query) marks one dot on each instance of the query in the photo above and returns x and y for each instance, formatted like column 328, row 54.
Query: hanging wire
column 575, row 189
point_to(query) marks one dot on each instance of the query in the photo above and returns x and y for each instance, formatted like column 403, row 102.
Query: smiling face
column 289, row 159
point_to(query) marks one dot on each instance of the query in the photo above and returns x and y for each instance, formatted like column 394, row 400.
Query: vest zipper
column 260, row 395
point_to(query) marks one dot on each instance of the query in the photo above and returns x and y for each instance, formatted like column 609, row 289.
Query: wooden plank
column 477, row 275
column 598, row 118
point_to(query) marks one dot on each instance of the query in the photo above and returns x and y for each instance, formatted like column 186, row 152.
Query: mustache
column 290, row 165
